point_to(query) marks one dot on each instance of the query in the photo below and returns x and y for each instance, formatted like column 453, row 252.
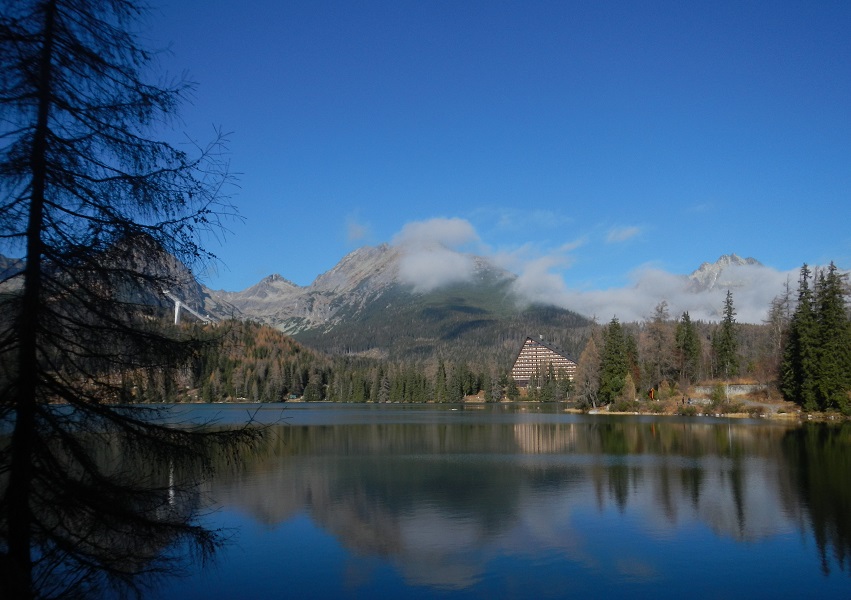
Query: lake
column 526, row 501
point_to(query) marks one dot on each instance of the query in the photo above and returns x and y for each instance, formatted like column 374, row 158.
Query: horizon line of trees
column 799, row 349
column 803, row 349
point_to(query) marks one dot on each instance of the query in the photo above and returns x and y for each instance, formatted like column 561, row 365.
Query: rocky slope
column 348, row 291
column 365, row 306
column 724, row 273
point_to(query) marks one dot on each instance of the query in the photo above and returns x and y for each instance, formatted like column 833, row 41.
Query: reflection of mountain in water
column 440, row 499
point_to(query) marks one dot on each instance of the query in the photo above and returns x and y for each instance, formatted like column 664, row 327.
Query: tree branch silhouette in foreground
column 96, row 491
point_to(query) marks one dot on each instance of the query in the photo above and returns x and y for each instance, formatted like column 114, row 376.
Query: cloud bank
column 753, row 290
column 431, row 253
column 434, row 255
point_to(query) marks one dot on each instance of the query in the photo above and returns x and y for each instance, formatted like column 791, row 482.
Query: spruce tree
column 798, row 370
column 725, row 345
column 614, row 362
column 688, row 350
column 833, row 380
column 441, row 391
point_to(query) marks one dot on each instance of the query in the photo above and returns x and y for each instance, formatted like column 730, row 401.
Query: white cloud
column 449, row 233
column 622, row 234
column 700, row 208
column 432, row 258
column 537, row 280
column 755, row 288
column 430, row 255
column 431, row 268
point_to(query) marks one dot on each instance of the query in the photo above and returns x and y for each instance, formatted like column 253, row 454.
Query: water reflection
column 819, row 460
column 443, row 501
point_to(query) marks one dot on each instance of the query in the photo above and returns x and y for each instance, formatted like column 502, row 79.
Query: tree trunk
column 23, row 436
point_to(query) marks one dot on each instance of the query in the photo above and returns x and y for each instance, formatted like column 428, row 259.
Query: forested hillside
column 479, row 324
column 255, row 363
column 443, row 347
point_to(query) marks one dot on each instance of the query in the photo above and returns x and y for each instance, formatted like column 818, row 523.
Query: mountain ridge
column 708, row 275
column 370, row 303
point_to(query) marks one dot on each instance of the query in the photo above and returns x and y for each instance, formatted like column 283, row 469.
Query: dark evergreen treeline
column 256, row 363
column 816, row 367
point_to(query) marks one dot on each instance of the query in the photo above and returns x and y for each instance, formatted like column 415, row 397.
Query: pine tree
column 798, row 371
column 688, row 350
column 614, row 362
column 512, row 391
column 725, row 345
column 495, row 391
column 833, row 380
column 441, row 392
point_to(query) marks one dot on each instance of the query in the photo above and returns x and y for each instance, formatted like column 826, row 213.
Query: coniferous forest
column 801, row 354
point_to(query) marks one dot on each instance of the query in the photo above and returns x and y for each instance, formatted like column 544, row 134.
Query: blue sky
column 587, row 142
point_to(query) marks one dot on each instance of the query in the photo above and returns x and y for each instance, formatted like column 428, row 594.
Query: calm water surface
column 352, row 501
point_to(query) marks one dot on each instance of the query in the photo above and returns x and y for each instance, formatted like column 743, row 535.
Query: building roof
column 547, row 345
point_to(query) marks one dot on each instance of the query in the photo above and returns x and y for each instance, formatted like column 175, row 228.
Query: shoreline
column 793, row 415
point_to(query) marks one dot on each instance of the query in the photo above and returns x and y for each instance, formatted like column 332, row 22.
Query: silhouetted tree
column 101, row 214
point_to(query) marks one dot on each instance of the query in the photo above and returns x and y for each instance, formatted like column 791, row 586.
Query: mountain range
column 362, row 277
column 368, row 305
column 365, row 305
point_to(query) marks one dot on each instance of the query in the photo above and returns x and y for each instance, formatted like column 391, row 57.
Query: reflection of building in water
column 535, row 358
column 544, row 438
column 427, row 506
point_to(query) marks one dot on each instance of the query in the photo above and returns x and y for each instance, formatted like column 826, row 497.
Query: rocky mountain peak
column 270, row 286
column 376, row 266
column 277, row 280
column 721, row 273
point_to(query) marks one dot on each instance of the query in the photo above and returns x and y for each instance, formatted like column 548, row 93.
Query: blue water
column 497, row 502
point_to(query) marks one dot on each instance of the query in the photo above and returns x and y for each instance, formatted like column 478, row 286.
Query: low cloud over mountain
column 753, row 289
column 431, row 256
column 440, row 251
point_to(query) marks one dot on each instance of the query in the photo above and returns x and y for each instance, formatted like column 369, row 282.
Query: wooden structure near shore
column 535, row 358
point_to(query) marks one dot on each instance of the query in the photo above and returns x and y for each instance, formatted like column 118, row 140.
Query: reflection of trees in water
column 110, row 513
column 434, row 497
column 819, row 464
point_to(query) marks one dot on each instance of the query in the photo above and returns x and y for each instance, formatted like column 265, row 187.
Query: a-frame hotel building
column 537, row 356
